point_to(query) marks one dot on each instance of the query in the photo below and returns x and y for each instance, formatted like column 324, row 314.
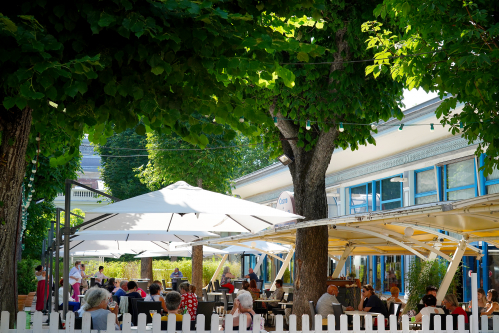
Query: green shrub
column 26, row 280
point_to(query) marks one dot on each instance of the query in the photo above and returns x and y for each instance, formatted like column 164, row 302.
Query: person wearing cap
column 430, row 290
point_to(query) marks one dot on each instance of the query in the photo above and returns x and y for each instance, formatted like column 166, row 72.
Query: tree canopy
column 449, row 47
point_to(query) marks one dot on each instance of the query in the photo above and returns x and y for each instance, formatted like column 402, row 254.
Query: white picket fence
column 216, row 328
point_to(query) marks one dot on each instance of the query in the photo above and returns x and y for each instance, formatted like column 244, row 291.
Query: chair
column 206, row 309
column 142, row 285
column 443, row 308
column 164, row 283
column 144, row 307
column 132, row 308
column 238, row 284
column 337, row 312
column 259, row 285
column 205, row 295
column 218, row 288
column 79, row 323
column 92, row 282
column 394, row 310
column 420, row 307
column 164, row 326
column 443, row 320
column 115, row 298
column 210, row 287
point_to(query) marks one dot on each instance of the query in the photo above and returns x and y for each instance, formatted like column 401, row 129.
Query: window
column 490, row 184
column 459, row 180
column 426, row 186
column 393, row 273
column 332, row 207
column 359, row 267
column 387, row 195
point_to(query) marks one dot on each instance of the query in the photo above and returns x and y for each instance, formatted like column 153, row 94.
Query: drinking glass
column 112, row 305
column 152, row 312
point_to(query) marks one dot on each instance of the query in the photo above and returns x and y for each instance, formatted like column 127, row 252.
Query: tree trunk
column 146, row 269
column 197, row 269
column 15, row 126
column 197, row 262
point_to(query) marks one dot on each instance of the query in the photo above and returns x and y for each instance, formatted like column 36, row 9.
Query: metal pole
column 57, row 248
column 67, row 231
column 45, row 293
column 475, row 316
column 43, row 252
column 51, row 265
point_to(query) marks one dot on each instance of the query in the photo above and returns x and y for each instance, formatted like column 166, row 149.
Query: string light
column 373, row 126
column 401, row 127
column 241, row 120
column 214, row 120
column 432, row 128
column 308, row 125
column 275, row 121
column 341, row 127
column 461, row 126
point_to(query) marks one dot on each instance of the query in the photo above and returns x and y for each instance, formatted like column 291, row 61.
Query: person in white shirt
column 75, row 279
column 71, row 300
column 99, row 276
column 430, row 303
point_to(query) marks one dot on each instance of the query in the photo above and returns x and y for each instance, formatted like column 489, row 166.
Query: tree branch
column 286, row 127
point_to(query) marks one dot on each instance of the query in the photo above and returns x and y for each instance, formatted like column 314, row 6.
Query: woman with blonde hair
column 450, row 302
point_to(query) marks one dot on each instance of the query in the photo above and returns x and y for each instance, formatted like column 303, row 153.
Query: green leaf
column 157, row 70
column 260, row 6
column 106, row 19
column 140, row 129
column 302, row 56
column 110, row 88
column 138, row 93
column 9, row 102
column 21, row 102
column 71, row 90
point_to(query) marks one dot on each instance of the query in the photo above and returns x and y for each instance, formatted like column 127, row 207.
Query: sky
column 415, row 97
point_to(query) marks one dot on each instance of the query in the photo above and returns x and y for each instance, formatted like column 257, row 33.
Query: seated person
column 251, row 275
column 371, row 302
column 122, row 290
column 71, row 300
column 96, row 300
column 492, row 303
column 172, row 301
column 482, row 300
column 110, row 285
column 430, row 290
column 245, row 287
column 278, row 295
column 430, row 303
column 244, row 303
column 141, row 292
column 394, row 298
column 189, row 300
column 255, row 292
column 154, row 296
column 450, row 302
column 159, row 284
column 132, row 290
column 192, row 289
column 226, row 280
column 325, row 303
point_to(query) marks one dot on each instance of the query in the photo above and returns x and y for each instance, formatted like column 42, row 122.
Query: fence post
column 214, row 323
column 331, row 324
column 425, row 323
column 318, row 323
column 305, row 323
column 86, row 322
column 200, row 323
column 405, row 324
column 393, row 324
column 4, row 327
column 256, row 323
column 356, row 323
column 127, row 323
column 243, row 323
column 460, row 324
column 279, row 324
column 54, row 322
column 186, row 323
column 437, row 323
column 229, row 323
column 111, row 321
column 495, row 323
column 21, row 322
column 485, row 323
column 70, row 322
column 37, row 322
column 156, row 323
column 368, row 323
column 292, row 323
column 142, row 320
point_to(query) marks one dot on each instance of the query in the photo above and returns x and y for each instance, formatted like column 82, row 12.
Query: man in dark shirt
column 252, row 275
column 132, row 290
column 371, row 302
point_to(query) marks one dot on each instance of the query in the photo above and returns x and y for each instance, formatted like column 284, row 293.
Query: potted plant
column 352, row 275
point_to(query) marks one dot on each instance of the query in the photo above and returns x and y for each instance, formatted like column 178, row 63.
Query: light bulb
column 33, row 161
column 214, row 120
column 38, row 138
column 29, row 185
column 401, row 127
column 241, row 120
column 373, row 126
column 31, row 178
column 341, row 127
column 34, row 170
column 432, row 128
column 275, row 121
column 461, row 125
column 308, row 125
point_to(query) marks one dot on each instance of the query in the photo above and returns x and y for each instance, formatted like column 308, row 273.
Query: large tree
column 449, row 47
column 312, row 119
column 98, row 66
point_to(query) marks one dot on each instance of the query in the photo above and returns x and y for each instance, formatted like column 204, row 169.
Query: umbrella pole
column 67, row 231
column 57, row 249
column 219, row 268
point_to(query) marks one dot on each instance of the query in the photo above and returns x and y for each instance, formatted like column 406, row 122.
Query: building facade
column 412, row 164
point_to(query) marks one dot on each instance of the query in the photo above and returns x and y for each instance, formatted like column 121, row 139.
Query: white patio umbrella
column 181, row 206
column 254, row 247
column 119, row 246
column 140, row 235
column 94, row 254
column 181, row 252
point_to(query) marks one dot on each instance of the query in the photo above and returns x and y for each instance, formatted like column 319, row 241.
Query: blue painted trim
column 373, row 283
column 485, row 266
column 425, row 194
column 476, row 177
column 423, row 169
column 368, row 278
column 483, row 189
column 402, row 275
column 382, row 275
column 446, row 190
column 439, row 184
column 374, row 197
column 478, row 273
column 415, row 190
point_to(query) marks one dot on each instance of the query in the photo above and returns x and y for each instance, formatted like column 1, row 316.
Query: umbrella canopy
column 140, row 235
column 119, row 246
column 181, row 206
column 255, row 247
column 93, row 254
column 180, row 252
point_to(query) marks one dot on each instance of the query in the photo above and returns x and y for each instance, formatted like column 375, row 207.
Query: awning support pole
column 261, row 258
column 451, row 270
column 283, row 268
column 219, row 268
column 474, row 305
column 339, row 266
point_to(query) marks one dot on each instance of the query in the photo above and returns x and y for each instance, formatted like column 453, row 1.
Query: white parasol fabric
column 255, row 247
column 181, row 206
column 94, row 254
column 119, row 246
column 181, row 252
column 140, row 235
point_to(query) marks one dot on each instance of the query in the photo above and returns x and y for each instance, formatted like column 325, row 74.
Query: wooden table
column 215, row 293
column 266, row 300
column 360, row 313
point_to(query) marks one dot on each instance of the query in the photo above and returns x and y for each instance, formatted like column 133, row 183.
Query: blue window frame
column 380, row 194
column 489, row 184
column 425, row 189
column 459, row 180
